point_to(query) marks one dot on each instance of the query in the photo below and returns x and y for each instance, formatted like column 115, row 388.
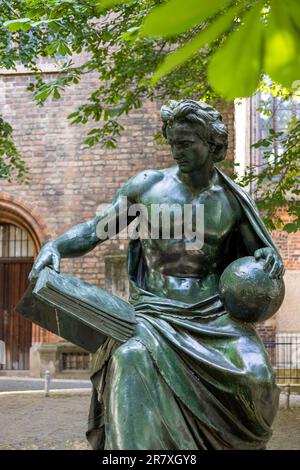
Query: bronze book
column 77, row 311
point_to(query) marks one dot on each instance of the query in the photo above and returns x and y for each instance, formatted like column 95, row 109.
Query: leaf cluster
column 160, row 50
column 11, row 162
column 276, row 181
column 110, row 47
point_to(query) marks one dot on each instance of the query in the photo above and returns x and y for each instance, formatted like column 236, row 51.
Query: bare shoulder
column 138, row 184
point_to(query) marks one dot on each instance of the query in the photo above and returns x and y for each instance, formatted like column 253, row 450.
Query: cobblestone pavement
column 31, row 422
column 59, row 422
column 8, row 384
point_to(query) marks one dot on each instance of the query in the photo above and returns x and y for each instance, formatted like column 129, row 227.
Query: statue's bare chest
column 211, row 211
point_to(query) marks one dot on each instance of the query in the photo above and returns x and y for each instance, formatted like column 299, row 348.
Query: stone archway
column 14, row 211
column 21, row 236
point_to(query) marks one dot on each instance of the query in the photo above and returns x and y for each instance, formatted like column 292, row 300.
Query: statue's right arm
column 83, row 237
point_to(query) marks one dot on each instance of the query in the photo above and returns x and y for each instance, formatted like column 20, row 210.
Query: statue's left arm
column 255, row 236
column 273, row 262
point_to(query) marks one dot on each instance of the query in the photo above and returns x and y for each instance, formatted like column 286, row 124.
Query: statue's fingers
column 278, row 271
column 32, row 275
column 38, row 266
column 56, row 262
column 269, row 262
column 40, row 263
column 258, row 254
column 278, row 268
column 282, row 271
column 275, row 270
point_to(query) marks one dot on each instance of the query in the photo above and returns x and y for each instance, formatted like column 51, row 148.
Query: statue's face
column 188, row 149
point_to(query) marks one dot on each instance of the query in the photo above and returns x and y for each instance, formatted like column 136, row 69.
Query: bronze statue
column 194, row 376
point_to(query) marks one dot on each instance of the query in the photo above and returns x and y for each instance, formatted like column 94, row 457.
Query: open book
column 77, row 311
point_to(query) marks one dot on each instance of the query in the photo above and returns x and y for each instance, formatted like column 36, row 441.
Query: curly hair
column 207, row 120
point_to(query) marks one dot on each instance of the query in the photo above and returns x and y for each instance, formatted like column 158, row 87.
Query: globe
column 248, row 292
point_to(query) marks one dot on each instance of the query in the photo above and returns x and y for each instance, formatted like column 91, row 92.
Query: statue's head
column 195, row 131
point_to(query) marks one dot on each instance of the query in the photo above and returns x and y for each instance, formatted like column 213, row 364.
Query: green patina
column 192, row 376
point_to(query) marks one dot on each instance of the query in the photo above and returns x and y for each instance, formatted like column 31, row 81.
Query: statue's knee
column 131, row 352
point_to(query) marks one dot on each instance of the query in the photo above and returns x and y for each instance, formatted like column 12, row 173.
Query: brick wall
column 288, row 245
column 69, row 180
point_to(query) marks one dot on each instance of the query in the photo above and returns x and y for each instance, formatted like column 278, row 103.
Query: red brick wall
column 69, row 180
column 289, row 246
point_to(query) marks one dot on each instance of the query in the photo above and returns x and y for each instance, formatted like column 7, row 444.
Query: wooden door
column 15, row 330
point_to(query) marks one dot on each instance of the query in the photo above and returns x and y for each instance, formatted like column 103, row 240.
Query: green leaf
column 44, row 22
column 294, row 9
column 174, row 17
column 206, row 36
column 51, row 48
column 130, row 34
column 43, row 94
column 63, row 48
column 58, row 46
column 72, row 115
column 56, row 94
column 106, row 4
column 22, row 24
column 290, row 227
column 234, row 70
column 93, row 132
column 282, row 50
column 11, row 162
column 110, row 3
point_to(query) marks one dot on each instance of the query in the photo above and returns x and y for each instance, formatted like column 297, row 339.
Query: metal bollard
column 288, row 396
column 2, row 353
column 47, row 383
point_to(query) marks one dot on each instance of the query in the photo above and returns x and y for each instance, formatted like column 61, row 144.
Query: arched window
column 15, row 242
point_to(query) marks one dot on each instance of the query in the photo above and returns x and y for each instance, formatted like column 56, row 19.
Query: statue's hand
column 48, row 256
column 273, row 264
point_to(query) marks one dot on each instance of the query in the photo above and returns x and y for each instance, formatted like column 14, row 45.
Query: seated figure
column 192, row 376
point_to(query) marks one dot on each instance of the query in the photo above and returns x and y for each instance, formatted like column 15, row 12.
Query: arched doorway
column 17, row 253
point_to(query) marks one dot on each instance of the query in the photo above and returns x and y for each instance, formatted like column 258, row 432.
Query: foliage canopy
column 151, row 49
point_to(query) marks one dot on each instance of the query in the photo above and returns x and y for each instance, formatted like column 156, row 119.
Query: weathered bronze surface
column 77, row 311
column 248, row 292
column 193, row 376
